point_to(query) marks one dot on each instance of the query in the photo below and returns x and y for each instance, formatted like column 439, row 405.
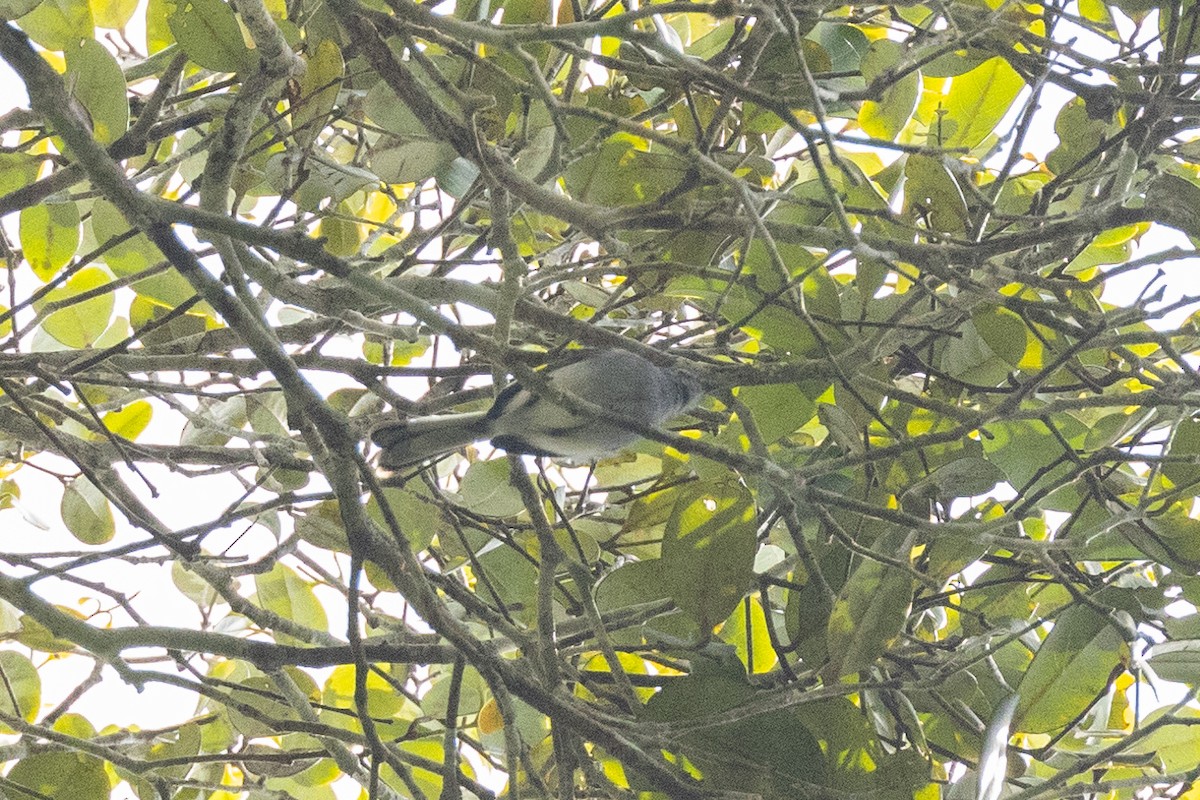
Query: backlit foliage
column 927, row 257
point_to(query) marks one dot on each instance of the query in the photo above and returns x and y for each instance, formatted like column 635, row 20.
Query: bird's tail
column 410, row 441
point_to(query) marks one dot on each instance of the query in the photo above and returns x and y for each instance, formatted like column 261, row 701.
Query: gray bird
column 520, row 421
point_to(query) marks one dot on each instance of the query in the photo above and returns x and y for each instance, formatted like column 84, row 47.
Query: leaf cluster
column 950, row 455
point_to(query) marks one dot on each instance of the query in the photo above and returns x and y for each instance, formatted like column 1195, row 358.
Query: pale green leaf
column 59, row 24
column 318, row 91
column 412, row 160
column 96, row 81
column 977, row 101
column 17, row 170
column 49, row 236
column 80, row 322
column 486, row 489
column 283, row 592
column 22, row 682
column 1004, row 331
column 778, row 409
column 63, row 775
column 209, row 33
column 933, row 197
column 87, row 513
column 886, row 117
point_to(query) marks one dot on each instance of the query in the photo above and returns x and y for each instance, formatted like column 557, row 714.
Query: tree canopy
column 939, row 499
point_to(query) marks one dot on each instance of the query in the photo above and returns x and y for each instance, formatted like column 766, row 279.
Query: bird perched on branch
column 522, row 421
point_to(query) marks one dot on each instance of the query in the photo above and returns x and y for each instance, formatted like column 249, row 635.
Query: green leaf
column 1173, row 745
column 841, row 426
column 127, row 257
column 1171, row 538
column 12, row 9
column 249, row 687
column 708, row 550
column 870, row 611
column 158, row 27
column 390, row 710
column 968, row 358
column 761, row 755
column 886, row 117
column 22, row 683
column 1073, row 666
column 977, row 101
column 754, row 643
column 136, row 254
column 932, row 195
column 36, row 636
column 17, row 170
column 96, row 81
column 1176, row 661
column 1097, row 11
column 1017, row 195
column 604, row 176
column 846, row 45
column 1137, row 10
column 283, row 592
column 1027, row 452
column 324, row 180
column 1175, row 199
column 964, row 477
column 87, row 513
column 512, row 579
column 627, row 470
column 64, row 775
column 342, row 235
column 383, row 107
column 486, row 489
column 457, row 177
column 1112, row 428
column 58, row 24
column 620, row 173
column 412, row 161
column 416, row 512
column 81, row 322
column 208, row 31
column 191, row 585
column 1004, row 331
column 49, row 236
column 778, row 328
column 778, row 409
column 1183, row 452
column 473, row 695
column 809, row 605
column 1078, row 136
column 318, row 91
column 143, row 312
column 635, row 583
column 321, row 526
column 223, row 414
column 75, row 725
column 953, row 63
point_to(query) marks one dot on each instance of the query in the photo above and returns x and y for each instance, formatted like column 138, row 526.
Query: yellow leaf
column 490, row 720
column 130, row 421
